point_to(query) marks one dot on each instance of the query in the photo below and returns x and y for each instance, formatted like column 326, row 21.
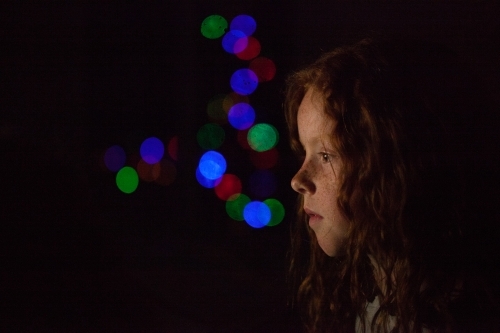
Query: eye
column 325, row 157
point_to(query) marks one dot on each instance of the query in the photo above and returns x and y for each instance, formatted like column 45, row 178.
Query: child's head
column 375, row 124
column 388, row 137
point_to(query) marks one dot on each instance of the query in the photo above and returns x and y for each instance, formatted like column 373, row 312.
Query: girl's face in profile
column 318, row 178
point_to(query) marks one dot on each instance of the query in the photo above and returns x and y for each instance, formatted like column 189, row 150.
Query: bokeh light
column 114, row 158
column 212, row 165
column 244, row 81
column 277, row 211
column 251, row 50
column 232, row 99
column 234, row 41
column 204, row 181
column 241, row 116
column 262, row 137
column 235, row 206
column 173, row 148
column 127, row 180
column 168, row 173
column 152, row 150
column 262, row 183
column 244, row 23
column 229, row 185
column 210, row 136
column 264, row 160
column 148, row 172
column 213, row 26
column 259, row 139
column 215, row 109
column 264, row 68
column 257, row 214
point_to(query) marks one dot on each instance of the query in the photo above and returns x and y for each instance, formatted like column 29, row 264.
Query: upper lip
column 310, row 212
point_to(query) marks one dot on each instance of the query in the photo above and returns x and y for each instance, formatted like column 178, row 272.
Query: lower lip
column 314, row 219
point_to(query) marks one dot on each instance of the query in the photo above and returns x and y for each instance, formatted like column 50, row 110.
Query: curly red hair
column 397, row 110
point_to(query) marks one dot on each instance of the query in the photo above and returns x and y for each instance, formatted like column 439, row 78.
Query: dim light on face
column 318, row 178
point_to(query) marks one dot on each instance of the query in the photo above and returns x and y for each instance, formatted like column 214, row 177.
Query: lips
column 313, row 216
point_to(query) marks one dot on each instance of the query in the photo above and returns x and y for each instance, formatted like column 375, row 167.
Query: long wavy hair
column 398, row 108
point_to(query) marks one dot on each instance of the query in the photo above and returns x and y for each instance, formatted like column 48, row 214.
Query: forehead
column 312, row 120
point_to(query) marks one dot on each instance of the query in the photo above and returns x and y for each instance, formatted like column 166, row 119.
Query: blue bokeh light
column 244, row 81
column 152, row 150
column 205, row 182
column 241, row 116
column 257, row 214
column 115, row 158
column 234, row 41
column 244, row 23
column 212, row 165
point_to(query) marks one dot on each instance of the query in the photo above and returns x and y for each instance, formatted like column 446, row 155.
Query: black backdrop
column 77, row 255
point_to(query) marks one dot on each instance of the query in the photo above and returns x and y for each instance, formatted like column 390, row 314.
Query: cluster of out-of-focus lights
column 152, row 166
column 235, row 108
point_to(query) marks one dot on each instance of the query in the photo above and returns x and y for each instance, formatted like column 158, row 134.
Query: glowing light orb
column 232, row 99
column 241, row 116
column 168, row 173
column 213, row 26
column 204, row 181
column 235, row 206
column 127, row 180
column 244, row 23
column 114, row 158
column 264, row 160
column 244, row 81
column 228, row 186
column 262, row 137
column 212, row 165
column 257, row 214
column 152, row 150
column 277, row 211
column 215, row 109
column 234, row 41
column 264, row 68
column 262, row 183
column 210, row 136
column 148, row 172
column 173, row 147
column 251, row 50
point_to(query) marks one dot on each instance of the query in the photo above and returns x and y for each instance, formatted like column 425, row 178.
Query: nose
column 302, row 183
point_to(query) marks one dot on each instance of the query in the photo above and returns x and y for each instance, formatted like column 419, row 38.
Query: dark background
column 76, row 254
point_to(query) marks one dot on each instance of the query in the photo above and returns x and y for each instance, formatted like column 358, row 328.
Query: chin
column 332, row 250
column 329, row 250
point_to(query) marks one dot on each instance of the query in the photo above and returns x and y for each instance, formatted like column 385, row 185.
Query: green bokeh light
column 210, row 136
column 213, row 26
column 277, row 211
column 262, row 137
column 235, row 206
column 127, row 179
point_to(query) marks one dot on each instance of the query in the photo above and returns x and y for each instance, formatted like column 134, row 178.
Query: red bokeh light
column 251, row 51
column 229, row 185
column 264, row 160
column 264, row 68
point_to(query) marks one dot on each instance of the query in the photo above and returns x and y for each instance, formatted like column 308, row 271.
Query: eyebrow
column 315, row 140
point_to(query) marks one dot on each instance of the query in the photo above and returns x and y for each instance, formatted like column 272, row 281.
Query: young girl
column 383, row 133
